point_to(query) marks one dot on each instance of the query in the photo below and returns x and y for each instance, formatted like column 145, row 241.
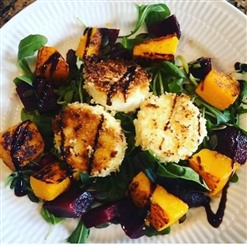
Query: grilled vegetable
column 51, row 65
column 187, row 191
column 232, row 143
column 50, row 182
column 167, row 26
column 20, row 144
column 200, row 67
column 124, row 211
column 46, row 98
column 101, row 214
column 214, row 168
column 27, row 96
column 156, row 49
column 140, row 190
column 70, row 204
column 224, row 87
column 94, row 39
column 165, row 209
column 132, row 219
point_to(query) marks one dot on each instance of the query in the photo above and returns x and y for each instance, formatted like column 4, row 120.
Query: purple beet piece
column 132, row 219
column 232, row 143
column 200, row 67
column 27, row 96
column 129, row 216
column 101, row 214
column 71, row 204
column 45, row 95
column 111, row 34
column 165, row 27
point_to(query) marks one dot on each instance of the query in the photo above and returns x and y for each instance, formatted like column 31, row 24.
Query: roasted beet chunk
column 101, row 214
column 132, row 219
column 187, row 191
column 167, row 26
column 27, row 96
column 232, row 143
column 124, row 211
column 200, row 67
column 71, row 204
column 46, row 97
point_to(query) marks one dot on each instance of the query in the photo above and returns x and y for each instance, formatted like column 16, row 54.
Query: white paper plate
column 209, row 28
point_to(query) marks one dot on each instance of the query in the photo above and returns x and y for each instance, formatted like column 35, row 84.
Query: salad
column 129, row 192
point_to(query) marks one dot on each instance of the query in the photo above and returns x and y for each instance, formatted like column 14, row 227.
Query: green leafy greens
column 27, row 48
column 150, row 14
column 80, row 234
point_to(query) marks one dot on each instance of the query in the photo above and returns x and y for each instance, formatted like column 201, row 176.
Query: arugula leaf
column 80, row 234
column 149, row 14
column 221, row 117
column 49, row 217
column 23, row 78
column 172, row 170
column 129, row 43
column 172, row 69
column 27, row 47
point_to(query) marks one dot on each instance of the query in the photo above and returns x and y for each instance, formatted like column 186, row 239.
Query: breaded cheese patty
column 170, row 127
column 116, row 84
column 89, row 139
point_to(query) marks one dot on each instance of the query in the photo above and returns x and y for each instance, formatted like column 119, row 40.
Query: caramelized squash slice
column 51, row 181
column 52, row 66
column 22, row 142
column 218, row 89
column 157, row 49
column 140, row 190
column 214, row 168
column 93, row 40
column 165, row 209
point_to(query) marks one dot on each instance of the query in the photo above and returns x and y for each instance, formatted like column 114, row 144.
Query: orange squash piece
column 218, row 89
column 52, row 66
column 50, row 182
column 214, row 168
column 157, row 49
column 140, row 190
column 32, row 144
column 165, row 209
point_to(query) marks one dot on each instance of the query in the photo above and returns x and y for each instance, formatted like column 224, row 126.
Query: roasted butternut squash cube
column 140, row 190
column 51, row 181
column 21, row 143
column 93, row 39
column 165, row 209
column 157, row 49
column 218, row 89
column 52, row 66
column 214, row 168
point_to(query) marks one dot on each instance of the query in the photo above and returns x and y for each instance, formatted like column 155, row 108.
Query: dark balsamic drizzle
column 53, row 60
column 127, row 79
column 18, row 140
column 123, row 83
column 215, row 219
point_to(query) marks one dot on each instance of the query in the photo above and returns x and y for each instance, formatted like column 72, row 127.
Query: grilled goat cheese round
column 116, row 84
column 89, row 139
column 170, row 127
